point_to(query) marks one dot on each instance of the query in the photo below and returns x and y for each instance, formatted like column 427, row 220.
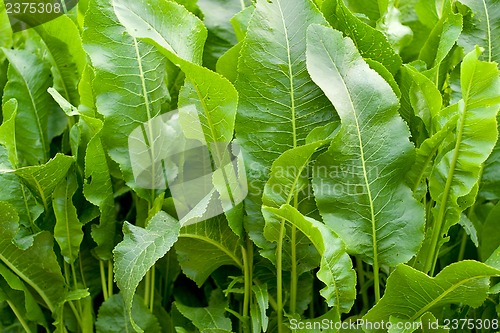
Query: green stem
column 248, row 290
column 75, row 312
column 376, row 282
column 463, row 245
column 152, row 289
column 294, row 277
column 19, row 317
column 75, row 282
column 110, row 278
column 279, row 273
column 103, row 281
column 362, row 284
column 146, row 288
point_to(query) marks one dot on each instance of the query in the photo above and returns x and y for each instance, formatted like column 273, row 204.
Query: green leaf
column 16, row 194
column 359, row 182
column 494, row 259
column 427, row 12
column 66, row 55
column 240, row 22
column 29, row 79
column 221, row 36
column 424, row 161
column 98, row 190
column 210, row 319
column 370, row 42
column 425, row 98
column 140, row 20
column 482, row 27
column 213, row 96
column 411, row 293
column 440, row 42
column 139, row 251
column 129, row 83
column 227, row 65
column 36, row 266
column 279, row 104
column 336, row 267
column 469, row 228
column 5, row 31
column 289, row 183
column 68, row 229
column 261, row 305
column 456, row 170
column 113, row 317
column 489, row 187
column 203, row 247
column 8, row 129
column 489, row 237
column 20, row 296
column 43, row 179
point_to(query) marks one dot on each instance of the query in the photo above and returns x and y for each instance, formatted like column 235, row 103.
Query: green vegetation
column 368, row 131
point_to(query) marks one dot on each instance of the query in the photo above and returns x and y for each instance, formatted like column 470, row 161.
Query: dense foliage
column 368, row 131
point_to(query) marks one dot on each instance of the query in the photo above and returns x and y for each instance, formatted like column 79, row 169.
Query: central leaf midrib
column 27, row 280
column 488, row 30
column 148, row 111
column 451, row 172
column 363, row 162
column 445, row 293
column 35, row 109
column 290, row 76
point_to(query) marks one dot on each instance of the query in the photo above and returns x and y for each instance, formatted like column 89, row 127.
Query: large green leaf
column 457, row 169
column 129, row 83
column 411, row 293
column 336, row 267
column 482, row 27
column 68, row 229
column 65, row 53
column 371, row 43
column 184, row 40
column 279, row 104
column 37, row 266
column 113, row 317
column 213, row 97
column 203, row 247
column 139, row 251
column 29, row 79
column 359, row 181
column 98, row 190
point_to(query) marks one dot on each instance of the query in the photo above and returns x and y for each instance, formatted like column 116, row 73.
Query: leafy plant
column 365, row 138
